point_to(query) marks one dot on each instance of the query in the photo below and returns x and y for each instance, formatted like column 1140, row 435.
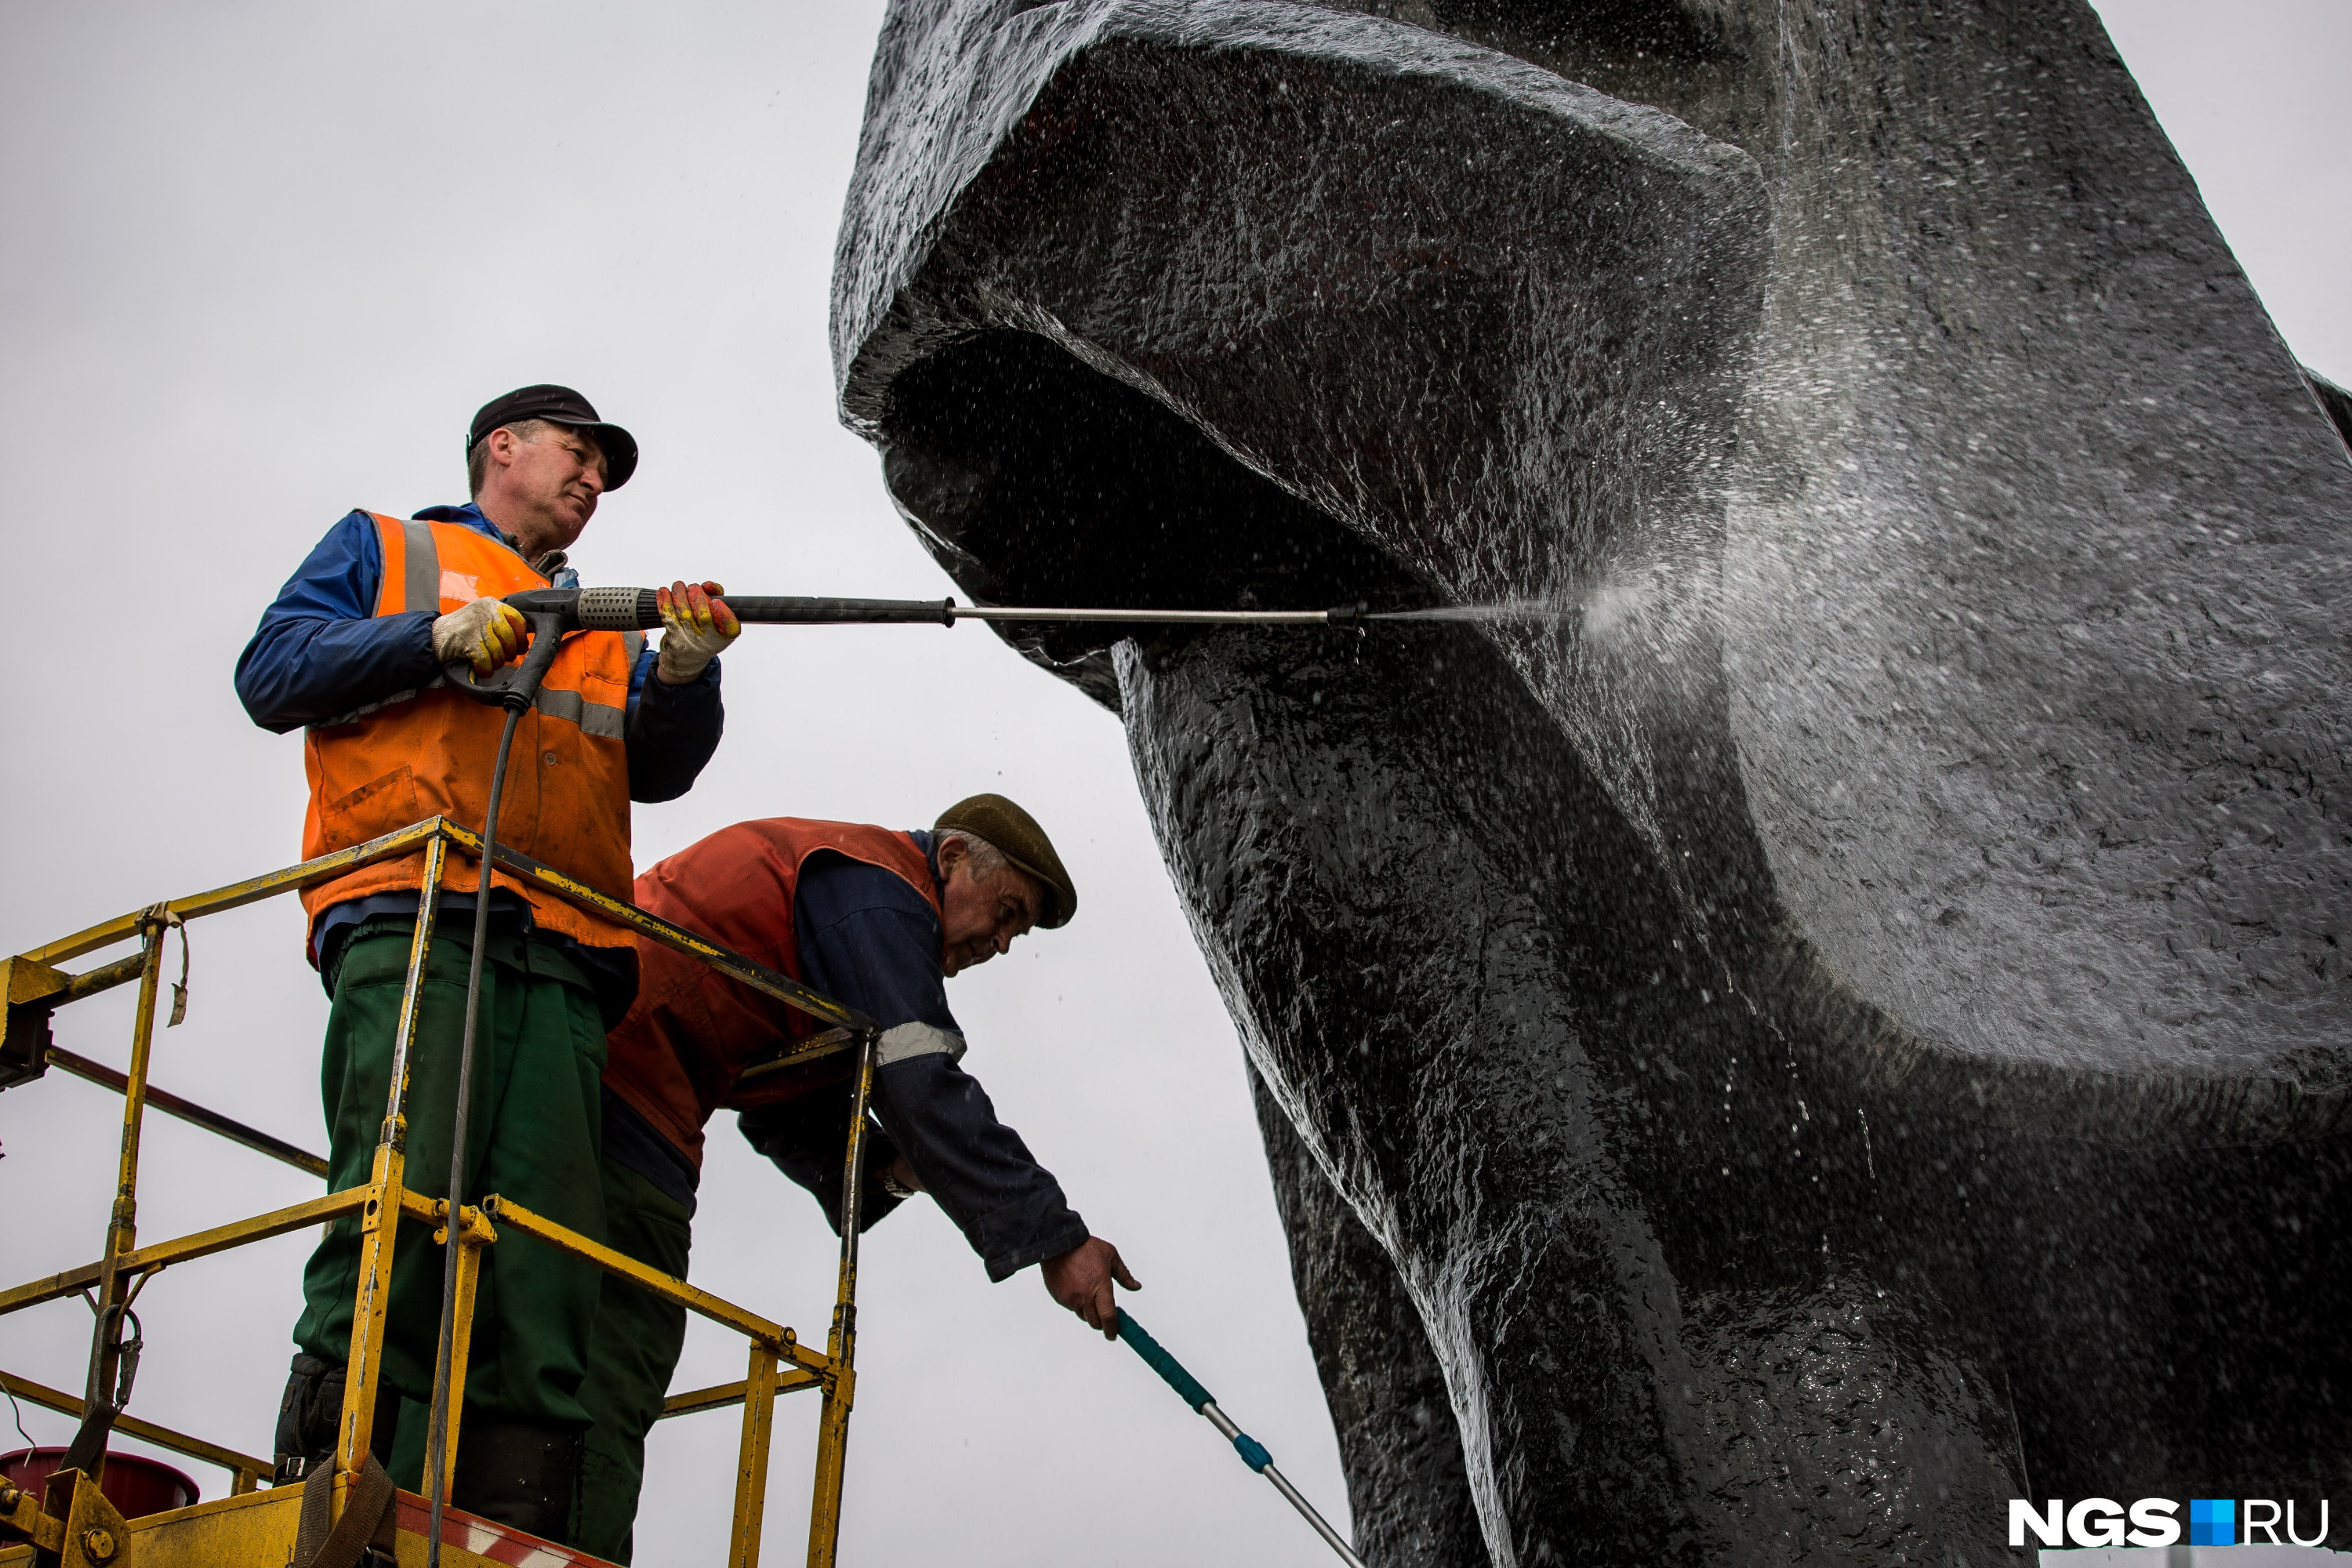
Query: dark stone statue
column 1815, row 1003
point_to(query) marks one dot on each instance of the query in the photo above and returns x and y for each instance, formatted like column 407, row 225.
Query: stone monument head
column 1817, row 1004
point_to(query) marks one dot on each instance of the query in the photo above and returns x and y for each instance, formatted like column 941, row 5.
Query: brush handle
column 1188, row 1387
column 1252, row 1452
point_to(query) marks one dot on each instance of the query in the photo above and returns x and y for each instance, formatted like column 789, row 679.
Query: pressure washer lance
column 635, row 609
column 1251, row 1451
column 563, row 610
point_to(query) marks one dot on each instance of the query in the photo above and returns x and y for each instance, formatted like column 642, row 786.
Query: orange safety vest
column 429, row 752
column 681, row 1052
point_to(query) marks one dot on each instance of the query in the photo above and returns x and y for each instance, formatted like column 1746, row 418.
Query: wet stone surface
column 1829, row 1014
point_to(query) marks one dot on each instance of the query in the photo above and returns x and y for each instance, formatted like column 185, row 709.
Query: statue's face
column 1855, row 454
column 1889, row 779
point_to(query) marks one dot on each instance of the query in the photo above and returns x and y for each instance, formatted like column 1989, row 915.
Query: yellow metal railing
column 35, row 988
column 245, row 1469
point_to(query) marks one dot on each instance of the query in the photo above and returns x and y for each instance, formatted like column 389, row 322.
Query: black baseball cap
column 557, row 405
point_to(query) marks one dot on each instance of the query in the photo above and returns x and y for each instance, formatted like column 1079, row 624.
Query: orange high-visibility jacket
column 681, row 1052
column 430, row 752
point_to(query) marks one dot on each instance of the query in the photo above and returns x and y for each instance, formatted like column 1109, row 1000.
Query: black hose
column 438, row 1439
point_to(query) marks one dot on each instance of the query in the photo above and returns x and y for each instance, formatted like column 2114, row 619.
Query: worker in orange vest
column 353, row 653
column 879, row 920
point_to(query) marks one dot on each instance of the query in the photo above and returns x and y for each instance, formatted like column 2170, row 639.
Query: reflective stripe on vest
column 601, row 720
column 429, row 751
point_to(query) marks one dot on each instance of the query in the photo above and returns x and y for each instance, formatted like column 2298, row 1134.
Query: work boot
column 525, row 1473
column 308, row 1414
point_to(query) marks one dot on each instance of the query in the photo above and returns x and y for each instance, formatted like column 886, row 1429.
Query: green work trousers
column 630, row 1358
column 534, row 1134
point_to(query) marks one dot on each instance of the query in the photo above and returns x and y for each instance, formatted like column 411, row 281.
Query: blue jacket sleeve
column 982, row 1176
column 808, row 1140
column 321, row 650
column 672, row 729
column 868, row 939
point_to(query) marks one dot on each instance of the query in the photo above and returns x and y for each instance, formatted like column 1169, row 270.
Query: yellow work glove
column 485, row 634
column 697, row 625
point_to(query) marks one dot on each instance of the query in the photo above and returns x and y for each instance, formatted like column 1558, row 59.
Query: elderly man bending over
column 878, row 919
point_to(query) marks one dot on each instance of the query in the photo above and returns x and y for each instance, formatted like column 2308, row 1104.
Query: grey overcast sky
column 260, row 263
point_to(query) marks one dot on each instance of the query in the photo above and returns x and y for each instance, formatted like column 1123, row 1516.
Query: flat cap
column 1016, row 833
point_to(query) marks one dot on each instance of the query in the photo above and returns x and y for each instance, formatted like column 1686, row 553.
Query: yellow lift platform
column 71, row 1522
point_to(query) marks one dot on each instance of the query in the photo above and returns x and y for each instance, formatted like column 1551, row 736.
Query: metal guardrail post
column 100, row 1401
column 841, row 1345
column 387, row 1183
column 474, row 1233
column 752, row 1459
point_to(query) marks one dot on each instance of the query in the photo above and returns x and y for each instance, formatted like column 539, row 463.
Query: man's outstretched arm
column 873, row 941
column 808, row 1140
column 976, row 1168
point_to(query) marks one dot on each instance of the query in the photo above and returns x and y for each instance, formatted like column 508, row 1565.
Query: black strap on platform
column 369, row 1519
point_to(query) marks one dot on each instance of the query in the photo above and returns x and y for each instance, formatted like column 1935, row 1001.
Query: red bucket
column 136, row 1485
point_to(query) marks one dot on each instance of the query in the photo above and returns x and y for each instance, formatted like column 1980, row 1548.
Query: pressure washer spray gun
column 552, row 611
